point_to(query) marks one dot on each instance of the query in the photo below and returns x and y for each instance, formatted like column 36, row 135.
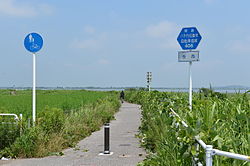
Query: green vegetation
column 221, row 120
column 64, row 117
column 20, row 102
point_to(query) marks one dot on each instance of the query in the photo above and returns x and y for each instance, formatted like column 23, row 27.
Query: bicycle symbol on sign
column 33, row 46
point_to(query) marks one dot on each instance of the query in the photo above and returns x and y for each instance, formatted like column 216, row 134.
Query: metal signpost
column 33, row 42
column 189, row 38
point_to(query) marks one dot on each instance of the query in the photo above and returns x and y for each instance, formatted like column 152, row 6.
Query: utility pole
column 149, row 80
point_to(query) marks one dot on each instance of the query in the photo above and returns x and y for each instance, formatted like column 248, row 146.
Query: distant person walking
column 122, row 95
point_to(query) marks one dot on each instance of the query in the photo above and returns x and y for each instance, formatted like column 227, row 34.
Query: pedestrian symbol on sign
column 33, row 45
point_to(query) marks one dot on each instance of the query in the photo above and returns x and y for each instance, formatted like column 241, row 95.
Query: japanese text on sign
column 189, row 38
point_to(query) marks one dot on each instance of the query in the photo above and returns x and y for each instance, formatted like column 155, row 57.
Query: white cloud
column 88, row 43
column 45, row 9
column 163, row 34
column 236, row 39
column 170, row 43
column 92, row 43
column 89, row 29
column 8, row 7
column 161, row 30
column 12, row 8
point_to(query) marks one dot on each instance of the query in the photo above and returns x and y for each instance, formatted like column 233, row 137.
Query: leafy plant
column 221, row 121
column 57, row 128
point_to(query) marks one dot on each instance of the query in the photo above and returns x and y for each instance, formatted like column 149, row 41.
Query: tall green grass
column 220, row 120
column 64, row 117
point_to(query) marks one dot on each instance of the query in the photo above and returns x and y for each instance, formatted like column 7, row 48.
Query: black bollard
column 106, row 138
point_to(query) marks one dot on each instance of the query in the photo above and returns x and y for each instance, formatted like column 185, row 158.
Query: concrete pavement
column 123, row 144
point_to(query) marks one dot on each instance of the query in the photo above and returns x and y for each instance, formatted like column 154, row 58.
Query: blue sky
column 114, row 42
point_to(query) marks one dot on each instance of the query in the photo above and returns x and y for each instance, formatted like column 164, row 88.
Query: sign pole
column 190, row 86
column 34, row 90
column 33, row 42
column 189, row 38
column 149, row 79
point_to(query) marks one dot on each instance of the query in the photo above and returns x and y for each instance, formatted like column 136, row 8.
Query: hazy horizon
column 121, row 87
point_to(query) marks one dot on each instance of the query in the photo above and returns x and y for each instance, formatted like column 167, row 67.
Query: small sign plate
column 188, row 56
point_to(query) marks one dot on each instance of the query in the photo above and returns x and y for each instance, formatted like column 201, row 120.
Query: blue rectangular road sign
column 189, row 38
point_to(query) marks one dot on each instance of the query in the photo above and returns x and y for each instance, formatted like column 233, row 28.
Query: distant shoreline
column 220, row 89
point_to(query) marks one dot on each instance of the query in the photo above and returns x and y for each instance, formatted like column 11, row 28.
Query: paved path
column 123, row 144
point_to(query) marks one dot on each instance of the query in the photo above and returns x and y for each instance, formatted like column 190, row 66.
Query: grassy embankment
column 63, row 118
column 221, row 120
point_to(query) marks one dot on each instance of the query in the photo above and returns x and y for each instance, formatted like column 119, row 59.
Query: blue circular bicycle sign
column 33, row 42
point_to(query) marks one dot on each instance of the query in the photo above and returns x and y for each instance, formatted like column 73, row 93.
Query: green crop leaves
column 52, row 120
column 221, row 120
